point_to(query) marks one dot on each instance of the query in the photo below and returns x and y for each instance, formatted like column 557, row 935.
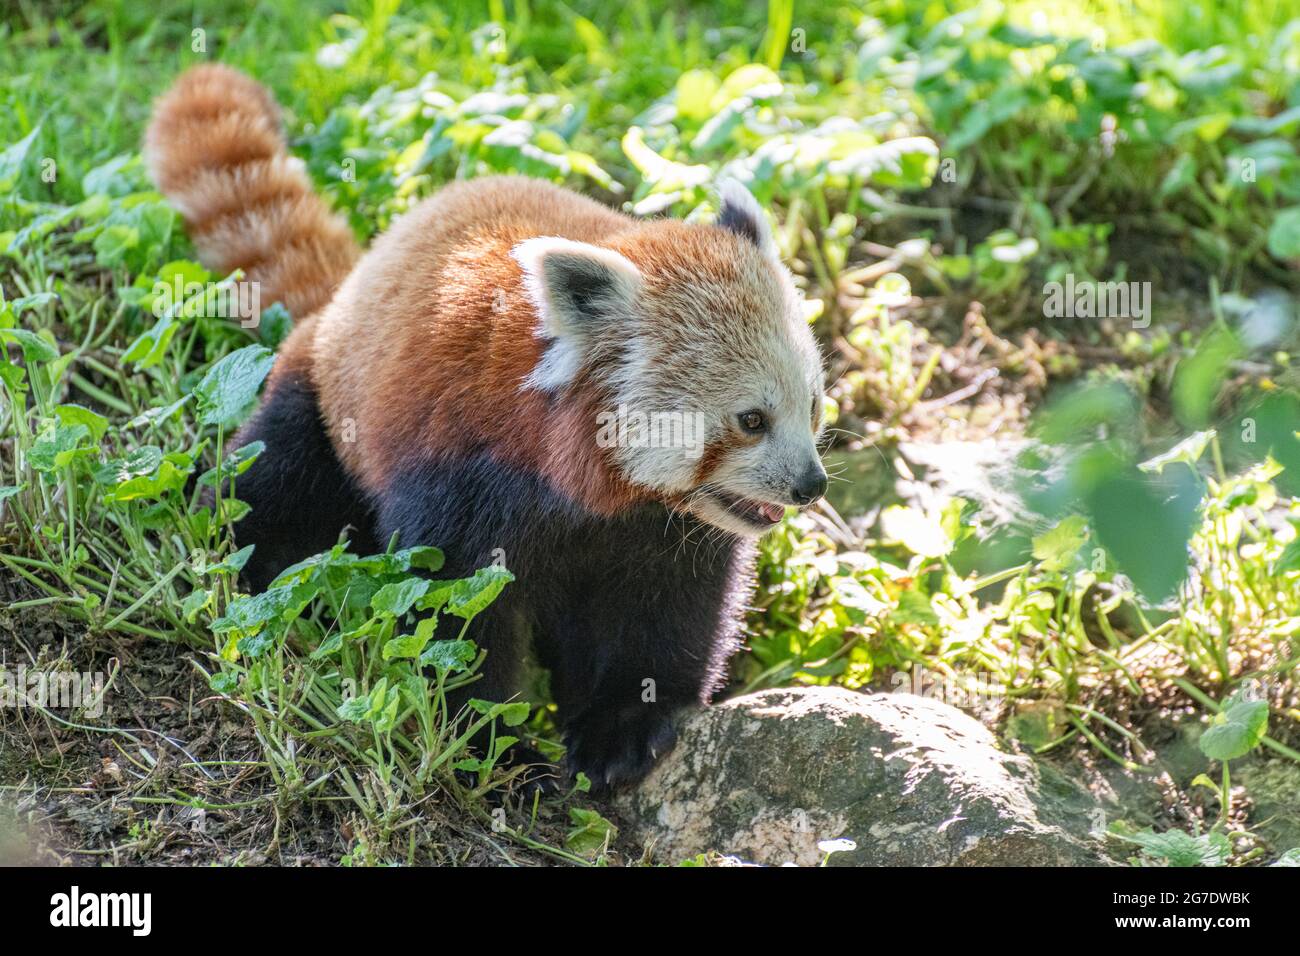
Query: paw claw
column 621, row 748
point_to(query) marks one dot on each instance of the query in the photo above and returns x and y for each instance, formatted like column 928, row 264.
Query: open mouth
column 758, row 513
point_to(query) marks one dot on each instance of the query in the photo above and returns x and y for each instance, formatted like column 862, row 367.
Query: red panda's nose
column 811, row 486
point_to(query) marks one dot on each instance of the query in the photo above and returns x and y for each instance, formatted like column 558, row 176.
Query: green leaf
column 14, row 378
column 113, row 177
column 1144, row 521
column 150, row 347
column 223, row 683
column 1199, row 377
column 194, row 602
column 247, row 615
column 113, row 244
column 752, row 79
column 134, row 234
column 906, row 163
column 171, row 475
column 180, row 288
column 1236, row 730
column 1057, row 549
column 1275, row 419
column 664, row 174
column 449, row 656
column 1079, row 414
column 1284, row 234
column 1289, row 559
column 379, row 707
column 411, row 645
column 35, row 347
column 274, row 325
column 471, row 595
column 407, row 646
column 984, row 115
column 13, row 159
column 229, row 390
column 915, row 608
column 161, row 413
column 233, row 563
column 917, row 531
column 354, row 709
column 425, row 557
column 1188, row 451
column 331, row 645
column 95, row 423
column 1181, row 175
column 1207, row 128
column 501, row 744
column 57, row 445
column 143, row 460
column 515, row 713
column 694, row 93
column 236, row 463
column 23, row 303
column 398, row 597
column 258, row 643
column 1289, row 858
column 1177, row 848
column 590, row 832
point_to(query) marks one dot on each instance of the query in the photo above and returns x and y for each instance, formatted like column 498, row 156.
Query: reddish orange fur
column 436, row 361
column 215, row 148
column 425, row 347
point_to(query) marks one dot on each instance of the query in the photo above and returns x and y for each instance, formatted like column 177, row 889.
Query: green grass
column 917, row 159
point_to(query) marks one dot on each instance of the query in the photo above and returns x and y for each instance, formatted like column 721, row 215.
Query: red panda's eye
column 753, row 422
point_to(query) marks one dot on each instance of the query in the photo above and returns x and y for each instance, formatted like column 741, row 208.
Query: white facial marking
column 685, row 349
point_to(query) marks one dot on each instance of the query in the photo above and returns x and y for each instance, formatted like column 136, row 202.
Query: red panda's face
column 712, row 381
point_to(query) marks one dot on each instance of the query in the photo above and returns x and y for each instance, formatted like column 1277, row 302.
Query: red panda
column 617, row 406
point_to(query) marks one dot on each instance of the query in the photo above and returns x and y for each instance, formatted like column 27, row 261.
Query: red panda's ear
column 739, row 212
column 576, row 288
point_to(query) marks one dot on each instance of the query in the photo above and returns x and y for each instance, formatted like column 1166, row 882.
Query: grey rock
column 910, row 780
column 1273, row 786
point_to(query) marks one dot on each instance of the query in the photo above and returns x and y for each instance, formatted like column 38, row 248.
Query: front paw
column 619, row 747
